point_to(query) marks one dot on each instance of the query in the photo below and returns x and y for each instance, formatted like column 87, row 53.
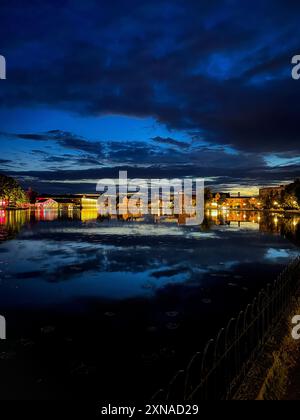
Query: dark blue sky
column 161, row 88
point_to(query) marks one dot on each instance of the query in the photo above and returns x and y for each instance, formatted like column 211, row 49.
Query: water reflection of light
column 87, row 215
column 100, row 263
column 244, row 225
column 46, row 215
column 233, row 220
column 2, row 217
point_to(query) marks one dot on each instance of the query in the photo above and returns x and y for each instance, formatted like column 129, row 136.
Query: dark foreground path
column 293, row 389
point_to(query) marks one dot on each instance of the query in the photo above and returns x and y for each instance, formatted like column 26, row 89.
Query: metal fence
column 218, row 371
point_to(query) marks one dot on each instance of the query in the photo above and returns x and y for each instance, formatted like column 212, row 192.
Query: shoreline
column 32, row 207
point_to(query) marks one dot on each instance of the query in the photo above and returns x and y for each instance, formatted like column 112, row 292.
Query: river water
column 112, row 308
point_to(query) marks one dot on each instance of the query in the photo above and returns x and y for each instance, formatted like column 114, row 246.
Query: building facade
column 267, row 192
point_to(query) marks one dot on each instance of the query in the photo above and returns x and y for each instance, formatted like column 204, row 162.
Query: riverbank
column 292, row 391
column 280, row 211
column 283, row 211
column 276, row 373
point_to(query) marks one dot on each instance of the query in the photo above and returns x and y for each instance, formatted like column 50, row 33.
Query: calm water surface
column 117, row 298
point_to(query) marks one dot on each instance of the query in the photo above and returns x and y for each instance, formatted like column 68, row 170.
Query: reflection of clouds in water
column 116, row 253
column 273, row 253
column 236, row 227
column 134, row 230
column 170, row 273
column 118, row 260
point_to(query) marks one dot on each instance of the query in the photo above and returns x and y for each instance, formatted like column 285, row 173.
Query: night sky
column 160, row 88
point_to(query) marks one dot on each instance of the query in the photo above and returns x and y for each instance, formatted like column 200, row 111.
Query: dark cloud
column 170, row 141
column 5, row 162
column 35, row 137
column 81, row 171
column 140, row 153
column 218, row 70
column 85, row 180
column 65, row 139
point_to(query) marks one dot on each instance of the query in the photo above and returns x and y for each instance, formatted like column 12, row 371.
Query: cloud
column 138, row 153
column 191, row 66
column 35, row 137
column 65, row 139
column 170, row 141
column 5, row 162
column 199, row 68
column 79, row 171
column 74, row 179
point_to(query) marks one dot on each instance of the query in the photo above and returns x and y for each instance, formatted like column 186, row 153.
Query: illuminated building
column 271, row 191
column 45, row 203
column 224, row 201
